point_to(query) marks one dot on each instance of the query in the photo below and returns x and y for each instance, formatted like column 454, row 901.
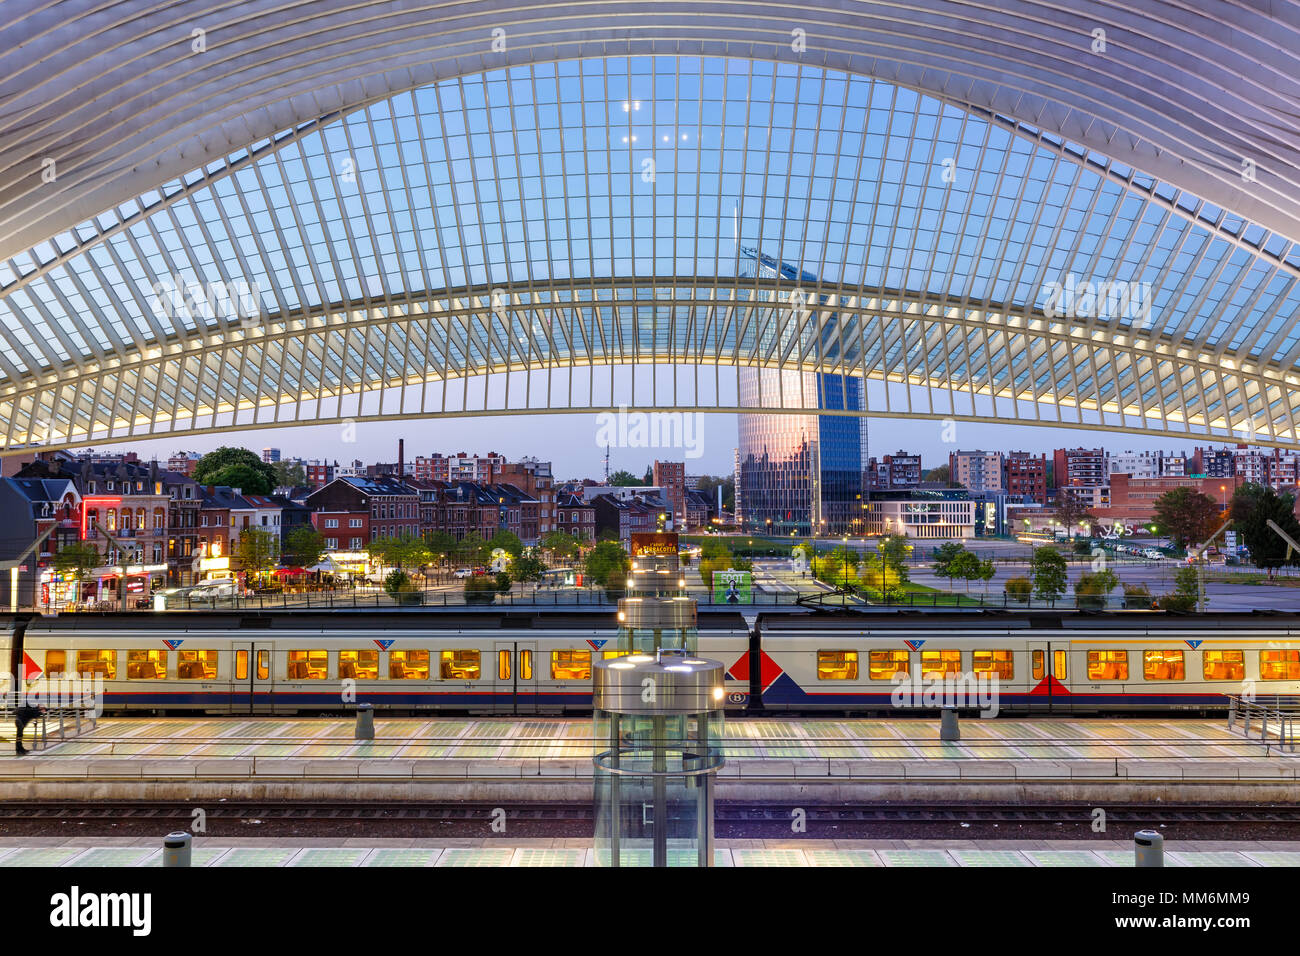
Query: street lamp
column 846, row 562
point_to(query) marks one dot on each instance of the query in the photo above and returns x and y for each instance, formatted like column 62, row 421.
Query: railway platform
column 76, row 852
column 446, row 758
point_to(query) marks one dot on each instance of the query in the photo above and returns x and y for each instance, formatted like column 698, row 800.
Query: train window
column 196, row 665
column 1224, row 665
column 56, row 662
column 525, row 664
column 308, row 665
column 263, row 665
column 408, row 665
column 358, row 665
column 1108, row 665
column 837, row 665
column 938, row 663
column 993, row 662
column 503, row 665
column 460, row 665
column 1163, row 665
column 241, row 665
column 570, row 665
column 883, row 665
column 610, row 655
column 146, row 665
column 1058, row 664
column 103, row 663
column 1273, row 665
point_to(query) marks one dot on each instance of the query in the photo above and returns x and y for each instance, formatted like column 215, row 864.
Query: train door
column 516, row 677
column 254, row 682
column 1047, row 677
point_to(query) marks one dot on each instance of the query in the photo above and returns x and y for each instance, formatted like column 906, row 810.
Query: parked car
column 216, row 588
column 464, row 573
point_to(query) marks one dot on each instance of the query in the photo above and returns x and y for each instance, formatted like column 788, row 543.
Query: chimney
column 401, row 458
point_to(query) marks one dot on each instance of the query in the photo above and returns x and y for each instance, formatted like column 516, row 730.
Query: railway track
column 726, row 813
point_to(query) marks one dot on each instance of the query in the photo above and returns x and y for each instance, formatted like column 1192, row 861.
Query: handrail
column 1279, row 711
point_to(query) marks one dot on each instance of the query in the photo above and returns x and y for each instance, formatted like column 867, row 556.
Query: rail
column 65, row 716
column 1275, row 716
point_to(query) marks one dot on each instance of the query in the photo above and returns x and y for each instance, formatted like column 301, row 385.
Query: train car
column 487, row 661
column 1062, row 663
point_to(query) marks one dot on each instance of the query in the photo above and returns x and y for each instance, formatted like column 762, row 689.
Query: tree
column 1092, row 589
column 508, row 542
column 839, row 567
column 209, row 468
column 1071, row 512
column 1186, row 590
column 289, row 474
column 944, row 556
column 987, row 570
column 248, row 480
column 401, row 588
column 304, row 546
column 1018, row 589
column 562, row 545
column 1048, row 571
column 78, row 559
column 966, row 566
column 622, row 477
column 1253, row 506
column 649, row 478
column 472, row 549
column 894, row 553
column 440, row 544
column 708, row 485
column 257, row 551
column 1187, row 516
column 528, row 566
column 607, row 566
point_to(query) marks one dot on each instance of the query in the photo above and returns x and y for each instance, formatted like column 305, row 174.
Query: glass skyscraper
column 798, row 473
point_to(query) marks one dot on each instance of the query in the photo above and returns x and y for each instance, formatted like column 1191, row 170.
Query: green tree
column 257, row 551
column 894, row 554
column 839, row 567
column 945, row 555
column 1186, row 515
column 1137, row 596
column 1072, row 513
column 78, row 558
column 622, row 477
column 210, row 466
column 304, row 546
column 987, row 570
column 1048, row 570
column 440, row 544
column 1253, row 506
column 966, row 566
column 708, row 485
column 472, row 549
column 248, row 480
column 607, row 566
column 1185, row 591
column 508, row 542
column 1092, row 589
column 528, row 566
column 562, row 545
column 289, row 474
column 1018, row 589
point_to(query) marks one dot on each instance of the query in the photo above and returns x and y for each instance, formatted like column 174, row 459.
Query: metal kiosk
column 658, row 746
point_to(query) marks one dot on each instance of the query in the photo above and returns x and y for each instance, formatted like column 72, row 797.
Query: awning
column 286, row 572
column 328, row 566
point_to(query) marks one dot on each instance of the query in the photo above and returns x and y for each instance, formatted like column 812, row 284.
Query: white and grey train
column 493, row 661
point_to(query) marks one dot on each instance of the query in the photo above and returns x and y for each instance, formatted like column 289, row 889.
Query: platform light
column 717, row 693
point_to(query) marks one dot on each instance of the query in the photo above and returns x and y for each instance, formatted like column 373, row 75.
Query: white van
column 215, row 588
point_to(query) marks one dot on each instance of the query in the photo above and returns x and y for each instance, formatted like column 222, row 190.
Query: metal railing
column 1275, row 716
column 64, row 718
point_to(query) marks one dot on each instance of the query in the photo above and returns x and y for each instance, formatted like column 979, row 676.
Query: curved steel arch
column 116, row 95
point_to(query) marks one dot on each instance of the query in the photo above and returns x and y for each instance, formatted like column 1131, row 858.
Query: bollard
column 176, row 849
column 1148, row 848
column 365, row 722
column 948, row 724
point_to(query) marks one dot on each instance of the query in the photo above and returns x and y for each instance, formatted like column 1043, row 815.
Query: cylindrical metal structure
column 1148, row 848
column 948, row 729
column 658, row 747
column 365, row 729
column 176, row 849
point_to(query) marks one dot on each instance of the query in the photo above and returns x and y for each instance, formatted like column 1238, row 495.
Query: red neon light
column 85, row 510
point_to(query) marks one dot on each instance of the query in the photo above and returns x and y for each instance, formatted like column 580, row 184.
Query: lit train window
column 146, row 665
column 1273, row 665
column 241, row 665
column 104, row 663
column 1223, row 665
column 308, row 665
column 196, row 665
column 525, row 664
column 837, row 665
column 610, row 655
column 358, row 665
column 1163, row 665
column 263, row 665
column 883, row 665
column 1108, row 665
column 938, row 663
column 503, row 665
column 570, row 665
column 1058, row 664
column 993, row 662
column 460, row 665
column 408, row 665
column 56, row 662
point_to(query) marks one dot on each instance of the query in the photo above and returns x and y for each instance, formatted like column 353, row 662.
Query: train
column 514, row 662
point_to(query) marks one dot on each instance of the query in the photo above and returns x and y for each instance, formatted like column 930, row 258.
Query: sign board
column 654, row 542
column 732, row 587
column 1230, row 541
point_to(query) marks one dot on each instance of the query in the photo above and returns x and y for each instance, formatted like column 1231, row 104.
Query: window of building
column 331, row 522
column 837, row 665
column 1108, row 665
column 358, row 665
column 1163, row 665
column 570, row 665
column 1273, row 665
column 993, row 662
column 331, row 544
column 1223, row 665
column 408, row 665
column 883, row 665
column 196, row 665
column 939, row 663
column 104, row 663
column 460, row 665
column 146, row 665
column 308, row 665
